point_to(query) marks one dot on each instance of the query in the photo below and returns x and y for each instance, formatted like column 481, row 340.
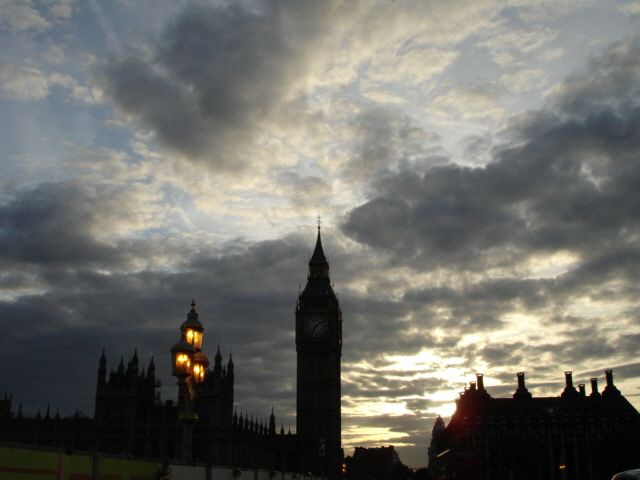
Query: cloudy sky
column 475, row 164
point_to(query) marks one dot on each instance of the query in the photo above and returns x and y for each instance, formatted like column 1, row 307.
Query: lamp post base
column 187, row 420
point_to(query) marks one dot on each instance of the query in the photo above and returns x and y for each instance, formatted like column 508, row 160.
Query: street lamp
column 189, row 365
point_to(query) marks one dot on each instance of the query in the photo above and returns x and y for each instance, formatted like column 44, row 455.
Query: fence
column 30, row 462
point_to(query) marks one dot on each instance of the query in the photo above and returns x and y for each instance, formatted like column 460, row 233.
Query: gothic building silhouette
column 129, row 418
column 573, row 436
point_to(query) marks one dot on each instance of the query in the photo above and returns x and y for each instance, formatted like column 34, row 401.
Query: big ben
column 319, row 348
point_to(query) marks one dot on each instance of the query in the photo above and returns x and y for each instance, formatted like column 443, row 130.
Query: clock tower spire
column 319, row 348
column 318, row 265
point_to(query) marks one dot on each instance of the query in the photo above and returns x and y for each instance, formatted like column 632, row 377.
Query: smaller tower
column 102, row 374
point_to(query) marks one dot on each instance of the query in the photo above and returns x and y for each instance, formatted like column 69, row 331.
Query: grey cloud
column 573, row 184
column 305, row 190
column 23, row 17
column 612, row 78
column 592, row 276
column 561, row 183
column 627, row 344
column 141, row 91
column 475, row 145
column 381, row 330
column 583, row 345
column 386, row 139
column 628, row 370
column 479, row 304
column 384, row 420
column 50, row 224
column 216, row 74
column 502, row 354
column 235, row 61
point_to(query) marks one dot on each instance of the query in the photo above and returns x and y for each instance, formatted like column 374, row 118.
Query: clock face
column 315, row 326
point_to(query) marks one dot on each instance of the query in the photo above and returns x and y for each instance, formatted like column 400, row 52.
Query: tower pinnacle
column 318, row 264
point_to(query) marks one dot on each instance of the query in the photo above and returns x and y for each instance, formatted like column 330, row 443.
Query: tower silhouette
column 319, row 349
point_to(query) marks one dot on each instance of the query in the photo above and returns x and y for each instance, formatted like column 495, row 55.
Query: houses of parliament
column 128, row 418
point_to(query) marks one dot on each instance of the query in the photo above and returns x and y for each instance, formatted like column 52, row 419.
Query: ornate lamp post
column 189, row 365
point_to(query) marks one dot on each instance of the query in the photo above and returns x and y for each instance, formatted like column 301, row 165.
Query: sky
column 475, row 165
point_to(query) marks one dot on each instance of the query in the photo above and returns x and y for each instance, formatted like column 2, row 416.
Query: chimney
column 583, row 390
column 521, row 392
column 569, row 389
column 594, row 388
column 480, row 379
column 569, row 379
column 609, row 375
column 472, row 386
column 610, row 389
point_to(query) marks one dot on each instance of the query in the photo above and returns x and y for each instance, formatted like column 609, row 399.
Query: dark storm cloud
column 50, row 225
column 216, row 74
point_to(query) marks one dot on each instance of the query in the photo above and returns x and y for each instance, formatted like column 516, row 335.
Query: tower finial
column 193, row 305
column 318, row 265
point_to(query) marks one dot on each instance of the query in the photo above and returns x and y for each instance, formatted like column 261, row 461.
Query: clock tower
column 319, row 348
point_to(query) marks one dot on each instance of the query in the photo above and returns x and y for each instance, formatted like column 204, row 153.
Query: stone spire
column 272, row 423
column 318, row 265
column 318, row 282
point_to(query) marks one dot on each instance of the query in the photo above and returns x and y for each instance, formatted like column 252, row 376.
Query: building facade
column 51, row 430
column 127, row 414
column 574, row 436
